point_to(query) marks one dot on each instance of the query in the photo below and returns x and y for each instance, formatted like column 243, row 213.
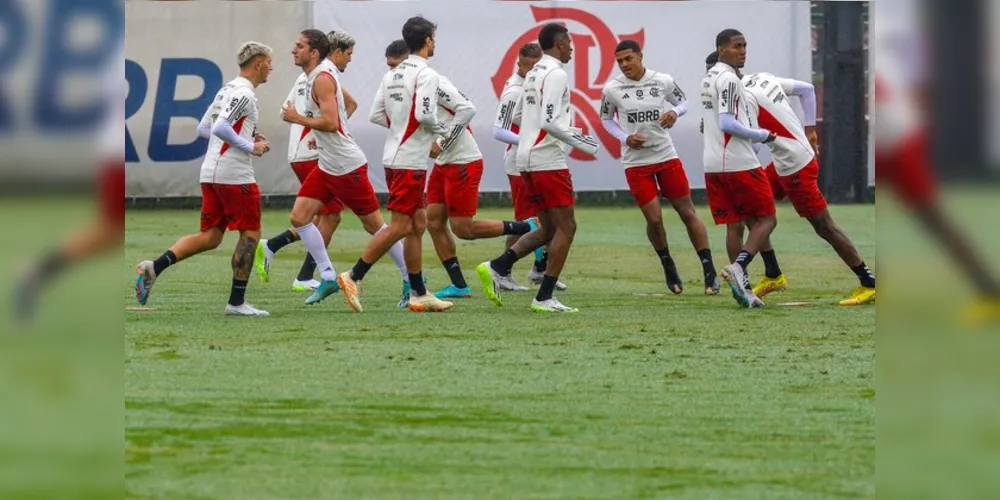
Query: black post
column 958, row 77
column 844, row 153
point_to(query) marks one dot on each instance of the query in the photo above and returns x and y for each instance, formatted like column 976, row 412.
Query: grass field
column 638, row 396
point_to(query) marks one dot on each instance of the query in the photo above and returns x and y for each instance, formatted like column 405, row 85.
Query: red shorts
column 908, row 172
column 549, row 189
column 302, row 170
column 650, row 182
column 735, row 196
column 112, row 195
column 353, row 189
column 523, row 210
column 406, row 190
column 457, row 187
column 230, row 206
column 801, row 188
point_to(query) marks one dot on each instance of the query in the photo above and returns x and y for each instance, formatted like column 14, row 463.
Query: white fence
column 181, row 52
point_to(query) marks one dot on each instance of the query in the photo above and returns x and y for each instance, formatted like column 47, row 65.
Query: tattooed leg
column 243, row 266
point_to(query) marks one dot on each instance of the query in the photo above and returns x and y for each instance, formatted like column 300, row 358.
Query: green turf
column 638, row 396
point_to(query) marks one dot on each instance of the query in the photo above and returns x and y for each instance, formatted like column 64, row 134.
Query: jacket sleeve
column 553, row 89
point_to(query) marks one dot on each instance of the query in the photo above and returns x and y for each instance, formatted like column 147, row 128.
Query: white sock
column 313, row 239
column 396, row 253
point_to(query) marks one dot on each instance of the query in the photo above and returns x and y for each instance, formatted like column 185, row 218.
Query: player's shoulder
column 614, row 83
column 514, row 81
column 662, row 78
column 444, row 81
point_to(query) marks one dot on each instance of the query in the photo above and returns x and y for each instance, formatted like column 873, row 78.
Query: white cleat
column 428, row 303
column 508, row 283
column 305, row 286
column 739, row 285
column 144, row 283
column 536, row 277
column 245, row 309
column 551, row 306
column 351, row 291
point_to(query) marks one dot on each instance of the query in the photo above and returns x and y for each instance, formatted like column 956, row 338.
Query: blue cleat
column 404, row 300
column 540, row 251
column 325, row 289
column 453, row 292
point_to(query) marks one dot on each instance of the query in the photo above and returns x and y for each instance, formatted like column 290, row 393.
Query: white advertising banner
column 477, row 44
column 179, row 53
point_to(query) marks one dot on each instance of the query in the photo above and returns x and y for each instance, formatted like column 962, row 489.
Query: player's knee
column 569, row 227
column 437, row 225
column 372, row 225
column 688, row 214
column 299, row 219
column 418, row 225
column 654, row 222
column 462, row 228
column 823, row 226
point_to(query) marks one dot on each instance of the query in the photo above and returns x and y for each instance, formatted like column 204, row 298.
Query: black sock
column 706, row 261
column 744, row 259
column 771, row 269
column 541, row 265
column 865, row 275
column 281, row 241
column 417, row 284
column 546, row 288
column 166, row 260
column 516, row 227
column 455, row 272
column 665, row 260
column 52, row 265
column 308, row 267
column 504, row 263
column 238, row 294
column 361, row 269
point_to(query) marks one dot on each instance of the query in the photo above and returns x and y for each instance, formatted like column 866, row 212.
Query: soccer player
column 794, row 174
column 634, row 109
column 343, row 167
column 310, row 54
column 505, row 129
column 303, row 158
column 230, row 196
column 395, row 53
column 545, row 129
column 453, row 191
column 406, row 104
column 738, row 190
column 108, row 231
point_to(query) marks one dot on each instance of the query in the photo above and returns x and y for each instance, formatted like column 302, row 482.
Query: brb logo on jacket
column 635, row 116
column 585, row 84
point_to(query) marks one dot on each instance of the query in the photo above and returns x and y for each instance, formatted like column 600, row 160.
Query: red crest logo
column 585, row 88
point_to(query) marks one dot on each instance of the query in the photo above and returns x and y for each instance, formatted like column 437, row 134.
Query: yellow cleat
column 984, row 311
column 859, row 297
column 767, row 286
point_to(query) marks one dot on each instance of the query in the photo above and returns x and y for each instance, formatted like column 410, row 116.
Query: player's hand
column 289, row 113
column 668, row 119
column 771, row 136
column 435, row 149
column 311, row 144
column 635, row 141
column 259, row 137
column 260, row 148
column 813, row 138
